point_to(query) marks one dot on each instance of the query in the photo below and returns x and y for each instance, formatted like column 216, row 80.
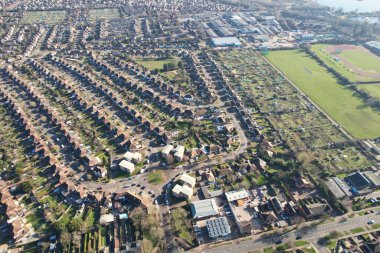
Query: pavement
column 312, row 235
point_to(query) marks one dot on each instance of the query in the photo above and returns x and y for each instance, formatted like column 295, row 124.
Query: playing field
column 335, row 99
column 100, row 14
column 356, row 63
column 153, row 64
column 47, row 17
column 372, row 89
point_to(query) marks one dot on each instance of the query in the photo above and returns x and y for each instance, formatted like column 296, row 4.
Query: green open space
column 357, row 230
column 99, row 14
column 155, row 177
column 47, row 17
column 336, row 100
column 300, row 243
column 372, row 89
column 153, row 64
column 362, row 60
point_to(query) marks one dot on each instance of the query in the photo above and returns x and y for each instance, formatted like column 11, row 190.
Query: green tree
column 76, row 224
column 26, row 187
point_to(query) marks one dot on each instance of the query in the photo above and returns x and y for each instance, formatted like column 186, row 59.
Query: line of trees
column 342, row 78
column 370, row 100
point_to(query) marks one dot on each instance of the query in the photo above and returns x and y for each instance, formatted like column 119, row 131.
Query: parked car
column 370, row 222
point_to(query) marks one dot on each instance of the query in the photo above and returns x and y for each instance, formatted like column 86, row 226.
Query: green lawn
column 376, row 226
column 300, row 243
column 155, row 177
column 371, row 89
column 268, row 250
column 357, row 230
column 153, row 64
column 360, row 59
column 48, row 17
column 99, row 14
column 335, row 99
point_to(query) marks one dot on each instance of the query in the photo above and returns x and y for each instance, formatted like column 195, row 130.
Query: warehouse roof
column 204, row 208
column 226, row 41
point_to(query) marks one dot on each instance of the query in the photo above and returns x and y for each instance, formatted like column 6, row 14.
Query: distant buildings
column 374, row 45
column 226, row 42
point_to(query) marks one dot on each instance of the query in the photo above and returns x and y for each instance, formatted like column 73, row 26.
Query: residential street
column 311, row 235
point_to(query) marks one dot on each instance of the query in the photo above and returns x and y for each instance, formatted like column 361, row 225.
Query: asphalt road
column 311, row 235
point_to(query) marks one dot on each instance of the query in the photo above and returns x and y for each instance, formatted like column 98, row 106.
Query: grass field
column 155, row 177
column 99, row 14
column 355, row 63
column 372, row 89
column 153, row 64
column 48, row 17
column 335, row 99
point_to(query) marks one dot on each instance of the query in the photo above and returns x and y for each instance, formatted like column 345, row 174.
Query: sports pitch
column 356, row 63
column 338, row 101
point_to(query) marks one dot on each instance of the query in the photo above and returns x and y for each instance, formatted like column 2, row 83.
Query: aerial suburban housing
column 190, row 125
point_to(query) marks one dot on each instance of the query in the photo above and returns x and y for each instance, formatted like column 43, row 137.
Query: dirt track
column 358, row 71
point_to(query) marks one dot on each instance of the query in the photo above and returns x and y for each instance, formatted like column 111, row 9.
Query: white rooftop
column 188, row 179
column 236, row 195
column 204, row 208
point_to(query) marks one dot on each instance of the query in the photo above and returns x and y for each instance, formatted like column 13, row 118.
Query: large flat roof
column 204, row 208
column 226, row 41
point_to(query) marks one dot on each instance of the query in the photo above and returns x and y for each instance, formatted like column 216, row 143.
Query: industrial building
column 204, row 208
column 226, row 42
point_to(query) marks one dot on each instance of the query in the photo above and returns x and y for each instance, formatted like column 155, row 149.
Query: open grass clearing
column 372, row 89
column 47, row 17
column 357, row 230
column 100, row 14
column 153, row 64
column 155, row 177
column 337, row 101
